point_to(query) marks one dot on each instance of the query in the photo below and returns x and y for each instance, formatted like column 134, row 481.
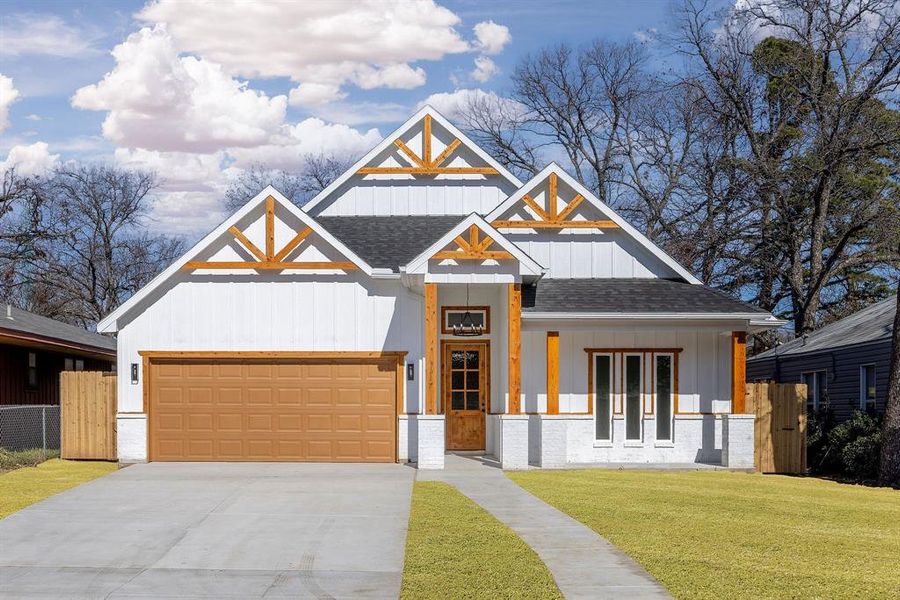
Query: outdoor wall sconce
column 134, row 373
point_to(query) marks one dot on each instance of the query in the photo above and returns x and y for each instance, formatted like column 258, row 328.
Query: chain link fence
column 26, row 427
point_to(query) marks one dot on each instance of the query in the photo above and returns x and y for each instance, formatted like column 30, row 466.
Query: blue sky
column 199, row 91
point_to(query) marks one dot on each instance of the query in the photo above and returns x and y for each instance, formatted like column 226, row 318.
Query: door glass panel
column 472, row 360
column 472, row 400
column 457, row 359
column 632, row 397
column 457, row 380
column 458, row 401
column 472, row 380
column 603, row 398
column 664, row 397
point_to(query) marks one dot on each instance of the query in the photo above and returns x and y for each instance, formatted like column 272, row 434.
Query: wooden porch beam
column 551, row 198
column 533, row 205
column 408, row 152
column 738, row 371
column 431, row 348
column 426, row 139
column 555, row 224
column 272, row 266
column 571, row 206
column 552, row 372
column 447, row 152
column 514, row 351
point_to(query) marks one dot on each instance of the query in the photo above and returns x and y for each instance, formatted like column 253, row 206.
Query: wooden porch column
column 514, row 353
column 738, row 371
column 552, row 372
column 431, row 348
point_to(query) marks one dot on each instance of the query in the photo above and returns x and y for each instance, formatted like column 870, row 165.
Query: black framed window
column 31, row 375
column 663, row 397
column 633, row 376
column 603, row 396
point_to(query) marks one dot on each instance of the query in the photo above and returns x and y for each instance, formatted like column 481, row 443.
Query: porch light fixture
column 466, row 326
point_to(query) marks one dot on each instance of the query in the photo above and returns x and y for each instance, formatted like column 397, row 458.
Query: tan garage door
column 273, row 409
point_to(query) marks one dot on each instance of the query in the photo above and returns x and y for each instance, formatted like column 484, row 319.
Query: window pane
column 472, row 400
column 472, row 380
column 69, row 364
column 821, row 388
column 809, row 381
column 603, row 397
column 457, row 401
column 632, row 397
column 664, row 397
column 456, row 359
column 471, row 360
column 79, row 365
column 457, row 380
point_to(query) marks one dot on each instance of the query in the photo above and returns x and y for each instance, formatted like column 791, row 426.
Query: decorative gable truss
column 270, row 259
column 550, row 215
column 474, row 242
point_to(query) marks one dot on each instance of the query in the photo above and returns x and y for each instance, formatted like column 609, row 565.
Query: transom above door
column 466, row 393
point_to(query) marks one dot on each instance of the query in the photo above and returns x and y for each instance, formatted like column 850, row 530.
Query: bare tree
column 99, row 253
column 22, row 204
column 889, row 471
column 816, row 136
column 317, row 173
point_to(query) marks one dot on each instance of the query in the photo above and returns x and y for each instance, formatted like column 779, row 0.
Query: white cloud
column 42, row 33
column 33, row 159
column 160, row 101
column 484, row 69
column 491, row 37
column 646, row 36
column 33, row 117
column 322, row 45
column 356, row 113
column 310, row 136
column 454, row 105
column 8, row 95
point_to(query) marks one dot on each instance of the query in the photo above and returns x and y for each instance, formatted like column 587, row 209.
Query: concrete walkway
column 583, row 564
column 214, row 530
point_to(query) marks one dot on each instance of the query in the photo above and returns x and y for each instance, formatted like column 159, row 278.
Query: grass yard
column 27, row 485
column 739, row 535
column 456, row 549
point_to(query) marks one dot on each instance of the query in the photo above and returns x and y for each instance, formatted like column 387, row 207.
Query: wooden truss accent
column 425, row 164
column 270, row 259
column 473, row 248
column 551, row 218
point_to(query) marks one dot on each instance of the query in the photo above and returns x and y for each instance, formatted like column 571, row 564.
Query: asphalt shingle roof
column 628, row 296
column 872, row 324
column 30, row 323
column 389, row 242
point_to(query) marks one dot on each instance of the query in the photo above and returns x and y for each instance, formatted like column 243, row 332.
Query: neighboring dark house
column 845, row 365
column 34, row 350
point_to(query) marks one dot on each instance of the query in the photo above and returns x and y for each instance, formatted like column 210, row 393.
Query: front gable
column 425, row 167
column 268, row 235
column 563, row 225
column 473, row 251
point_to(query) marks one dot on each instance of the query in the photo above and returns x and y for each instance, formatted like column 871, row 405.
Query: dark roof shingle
column 628, row 296
column 389, row 242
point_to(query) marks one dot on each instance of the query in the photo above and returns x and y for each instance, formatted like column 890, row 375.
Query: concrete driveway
column 221, row 530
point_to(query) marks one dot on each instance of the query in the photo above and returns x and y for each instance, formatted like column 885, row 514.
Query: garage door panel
column 301, row 410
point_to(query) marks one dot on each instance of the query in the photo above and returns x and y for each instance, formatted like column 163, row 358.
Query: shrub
column 850, row 449
column 14, row 459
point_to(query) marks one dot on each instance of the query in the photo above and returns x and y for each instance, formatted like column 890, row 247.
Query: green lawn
column 739, row 535
column 27, row 485
column 456, row 549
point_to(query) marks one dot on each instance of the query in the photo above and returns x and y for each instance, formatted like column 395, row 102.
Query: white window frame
column 638, row 440
column 612, row 393
column 864, row 389
column 817, row 401
column 671, row 356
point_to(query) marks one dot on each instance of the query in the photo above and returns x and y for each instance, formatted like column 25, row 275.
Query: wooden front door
column 466, row 393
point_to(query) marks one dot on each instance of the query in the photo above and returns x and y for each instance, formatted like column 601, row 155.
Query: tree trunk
column 889, row 473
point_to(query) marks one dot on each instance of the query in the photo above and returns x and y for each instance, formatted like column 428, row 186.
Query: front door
column 465, row 393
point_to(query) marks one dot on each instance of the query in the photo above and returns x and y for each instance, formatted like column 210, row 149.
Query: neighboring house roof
column 630, row 297
column 389, row 242
column 872, row 324
column 640, row 238
column 26, row 326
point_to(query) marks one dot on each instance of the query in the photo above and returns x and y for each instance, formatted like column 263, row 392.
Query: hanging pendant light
column 466, row 326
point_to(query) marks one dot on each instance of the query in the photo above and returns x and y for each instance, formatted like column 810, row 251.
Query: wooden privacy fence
column 780, row 409
column 87, row 414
